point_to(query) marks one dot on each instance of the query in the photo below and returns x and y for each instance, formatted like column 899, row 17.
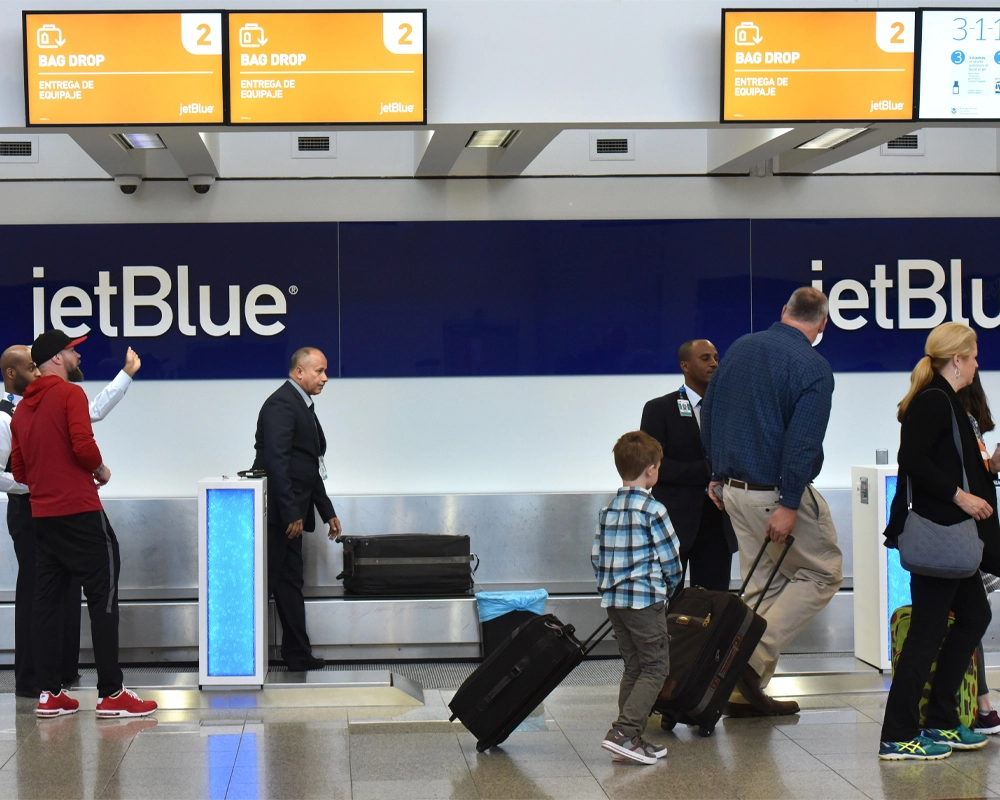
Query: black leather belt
column 750, row 487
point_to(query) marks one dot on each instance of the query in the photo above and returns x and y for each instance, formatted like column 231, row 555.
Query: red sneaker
column 124, row 703
column 55, row 705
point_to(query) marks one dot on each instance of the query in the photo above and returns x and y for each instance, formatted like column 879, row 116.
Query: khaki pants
column 809, row 576
column 643, row 642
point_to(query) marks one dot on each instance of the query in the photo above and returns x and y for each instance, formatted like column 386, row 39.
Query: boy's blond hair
column 635, row 451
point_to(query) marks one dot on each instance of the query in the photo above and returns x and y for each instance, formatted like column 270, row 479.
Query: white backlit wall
column 443, row 435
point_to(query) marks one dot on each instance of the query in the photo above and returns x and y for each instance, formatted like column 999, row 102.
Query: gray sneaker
column 633, row 748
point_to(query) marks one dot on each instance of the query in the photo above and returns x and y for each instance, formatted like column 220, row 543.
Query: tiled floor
column 828, row 751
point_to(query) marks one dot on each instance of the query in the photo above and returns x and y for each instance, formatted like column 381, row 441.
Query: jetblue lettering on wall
column 209, row 301
column 424, row 299
column 889, row 281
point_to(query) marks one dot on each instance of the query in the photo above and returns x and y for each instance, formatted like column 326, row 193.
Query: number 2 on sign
column 407, row 29
column 897, row 37
column 205, row 31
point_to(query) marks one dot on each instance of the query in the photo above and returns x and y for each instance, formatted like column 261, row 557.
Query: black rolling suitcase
column 520, row 674
column 712, row 636
column 408, row 564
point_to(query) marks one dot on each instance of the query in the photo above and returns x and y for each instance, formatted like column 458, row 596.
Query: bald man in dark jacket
column 290, row 446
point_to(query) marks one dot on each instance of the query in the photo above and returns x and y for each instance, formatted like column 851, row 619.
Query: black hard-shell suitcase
column 512, row 682
column 408, row 564
column 712, row 636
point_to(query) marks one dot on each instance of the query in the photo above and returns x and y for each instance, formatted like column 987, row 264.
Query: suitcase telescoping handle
column 596, row 637
column 788, row 543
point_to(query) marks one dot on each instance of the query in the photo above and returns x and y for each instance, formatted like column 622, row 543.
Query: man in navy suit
column 290, row 446
column 674, row 420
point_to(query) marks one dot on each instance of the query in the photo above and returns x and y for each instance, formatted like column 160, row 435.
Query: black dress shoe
column 26, row 691
column 310, row 663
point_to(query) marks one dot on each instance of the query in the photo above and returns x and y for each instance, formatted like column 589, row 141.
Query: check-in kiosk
column 232, row 582
column 881, row 585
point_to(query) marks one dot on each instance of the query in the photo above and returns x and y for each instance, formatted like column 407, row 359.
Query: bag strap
column 958, row 446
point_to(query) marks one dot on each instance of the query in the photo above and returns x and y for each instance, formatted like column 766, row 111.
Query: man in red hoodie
column 53, row 451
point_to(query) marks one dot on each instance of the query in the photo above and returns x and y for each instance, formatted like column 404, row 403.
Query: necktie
column 319, row 429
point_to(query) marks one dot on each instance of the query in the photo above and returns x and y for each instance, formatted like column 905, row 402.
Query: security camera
column 128, row 183
column 201, row 183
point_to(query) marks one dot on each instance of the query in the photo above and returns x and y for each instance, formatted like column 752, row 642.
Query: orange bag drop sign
column 128, row 69
column 327, row 67
column 798, row 66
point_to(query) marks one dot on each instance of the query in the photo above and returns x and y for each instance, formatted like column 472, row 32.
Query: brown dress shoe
column 749, row 686
column 781, row 708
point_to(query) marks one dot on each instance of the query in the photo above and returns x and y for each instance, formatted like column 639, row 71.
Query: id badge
column 684, row 407
column 322, row 469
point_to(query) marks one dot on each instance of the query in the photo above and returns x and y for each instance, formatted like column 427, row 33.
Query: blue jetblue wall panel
column 139, row 303
column 537, row 298
column 424, row 299
column 889, row 282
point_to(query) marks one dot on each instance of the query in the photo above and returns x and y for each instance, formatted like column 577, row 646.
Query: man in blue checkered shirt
column 637, row 563
column 763, row 421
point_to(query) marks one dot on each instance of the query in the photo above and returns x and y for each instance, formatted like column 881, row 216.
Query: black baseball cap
column 51, row 343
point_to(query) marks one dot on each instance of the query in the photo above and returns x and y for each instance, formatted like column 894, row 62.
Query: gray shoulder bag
column 940, row 551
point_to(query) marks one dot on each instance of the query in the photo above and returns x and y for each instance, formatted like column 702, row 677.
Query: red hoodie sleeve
column 81, row 433
column 17, row 460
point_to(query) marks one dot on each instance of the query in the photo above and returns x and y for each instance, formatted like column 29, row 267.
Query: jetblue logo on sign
column 889, row 282
column 196, row 301
column 854, row 304
column 170, row 298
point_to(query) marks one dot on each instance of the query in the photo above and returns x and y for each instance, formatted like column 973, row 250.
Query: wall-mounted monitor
column 817, row 65
column 123, row 68
column 960, row 64
column 327, row 67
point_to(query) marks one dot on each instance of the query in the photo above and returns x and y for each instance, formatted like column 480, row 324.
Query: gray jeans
column 642, row 640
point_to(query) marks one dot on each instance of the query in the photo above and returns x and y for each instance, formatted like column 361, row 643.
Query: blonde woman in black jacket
column 929, row 461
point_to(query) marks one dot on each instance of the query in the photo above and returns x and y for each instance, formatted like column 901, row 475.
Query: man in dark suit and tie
column 674, row 420
column 290, row 446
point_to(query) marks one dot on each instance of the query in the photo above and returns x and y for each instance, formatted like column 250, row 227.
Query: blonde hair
column 946, row 341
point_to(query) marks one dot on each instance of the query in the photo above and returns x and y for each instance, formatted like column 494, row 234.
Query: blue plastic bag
column 495, row 604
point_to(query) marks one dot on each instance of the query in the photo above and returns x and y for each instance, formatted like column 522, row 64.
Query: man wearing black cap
column 54, row 452
column 18, row 371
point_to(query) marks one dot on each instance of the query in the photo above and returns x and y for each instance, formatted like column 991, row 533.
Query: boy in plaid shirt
column 636, row 561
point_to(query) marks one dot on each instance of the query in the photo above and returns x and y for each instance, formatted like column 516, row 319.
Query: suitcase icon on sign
column 252, row 35
column 748, row 34
column 49, row 37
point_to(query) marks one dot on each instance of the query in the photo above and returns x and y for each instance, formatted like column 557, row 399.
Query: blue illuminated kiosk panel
column 881, row 585
column 232, row 582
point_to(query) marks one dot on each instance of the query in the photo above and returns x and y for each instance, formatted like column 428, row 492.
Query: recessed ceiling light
column 831, row 138
column 139, row 141
column 491, row 138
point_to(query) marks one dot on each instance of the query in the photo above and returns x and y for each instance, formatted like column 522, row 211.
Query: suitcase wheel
column 705, row 730
column 667, row 722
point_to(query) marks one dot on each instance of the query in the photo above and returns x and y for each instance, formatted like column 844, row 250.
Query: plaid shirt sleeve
column 665, row 547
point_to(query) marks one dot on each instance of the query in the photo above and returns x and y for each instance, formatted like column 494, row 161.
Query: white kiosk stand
column 232, row 582
column 881, row 585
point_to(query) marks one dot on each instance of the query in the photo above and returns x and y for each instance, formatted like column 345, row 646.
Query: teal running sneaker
column 960, row 738
column 919, row 748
